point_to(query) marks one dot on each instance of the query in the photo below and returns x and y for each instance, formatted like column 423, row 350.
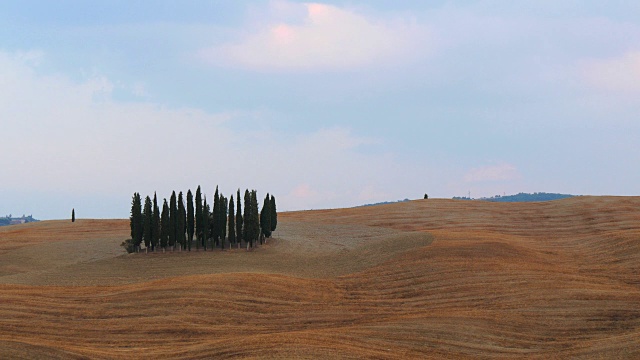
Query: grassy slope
column 419, row 279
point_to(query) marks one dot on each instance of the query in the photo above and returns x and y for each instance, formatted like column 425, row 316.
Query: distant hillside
column 9, row 220
column 384, row 203
column 523, row 197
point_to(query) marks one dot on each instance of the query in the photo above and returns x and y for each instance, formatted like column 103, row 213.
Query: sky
column 324, row 105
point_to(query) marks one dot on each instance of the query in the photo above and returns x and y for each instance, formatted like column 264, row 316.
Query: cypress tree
column 147, row 224
column 239, row 220
column 190, row 214
column 265, row 217
column 205, row 224
column 198, row 218
column 155, row 232
column 246, row 218
column 164, row 226
column 215, row 226
column 182, row 222
column 136, row 221
column 73, row 215
column 255, row 216
column 173, row 220
column 232, row 223
column 274, row 214
column 222, row 220
column 132, row 219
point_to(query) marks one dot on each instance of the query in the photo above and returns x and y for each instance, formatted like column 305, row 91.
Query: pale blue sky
column 327, row 104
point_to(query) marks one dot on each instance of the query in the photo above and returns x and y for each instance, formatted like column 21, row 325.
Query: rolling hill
column 419, row 279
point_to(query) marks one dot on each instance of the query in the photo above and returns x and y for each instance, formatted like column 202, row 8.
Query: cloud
column 620, row 73
column 316, row 36
column 500, row 172
column 68, row 137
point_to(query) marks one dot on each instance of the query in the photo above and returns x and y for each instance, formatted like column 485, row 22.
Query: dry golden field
column 424, row 279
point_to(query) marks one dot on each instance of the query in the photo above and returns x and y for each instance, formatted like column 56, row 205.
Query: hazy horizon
column 325, row 105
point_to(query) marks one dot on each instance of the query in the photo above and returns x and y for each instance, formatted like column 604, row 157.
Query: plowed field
column 423, row 279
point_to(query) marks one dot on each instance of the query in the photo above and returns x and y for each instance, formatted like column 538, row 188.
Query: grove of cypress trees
column 232, row 223
column 164, row 226
column 239, row 220
column 155, row 233
column 182, row 222
column 147, row 223
column 198, row 218
column 265, row 217
column 190, row 222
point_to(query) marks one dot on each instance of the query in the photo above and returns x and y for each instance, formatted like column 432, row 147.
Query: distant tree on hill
column 199, row 221
column 232, row 223
column 274, row 214
column 190, row 220
column 426, row 196
column 239, row 220
column 165, row 227
column 147, row 223
column 136, row 221
column 265, row 217
column 73, row 215
column 155, row 233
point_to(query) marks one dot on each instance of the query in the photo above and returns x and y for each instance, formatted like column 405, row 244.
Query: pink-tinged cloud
column 614, row 74
column 501, row 172
column 321, row 37
column 303, row 191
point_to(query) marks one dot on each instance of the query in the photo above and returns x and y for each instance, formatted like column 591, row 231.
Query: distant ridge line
column 523, row 197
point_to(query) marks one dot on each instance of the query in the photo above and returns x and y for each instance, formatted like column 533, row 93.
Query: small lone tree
column 73, row 215
column 426, row 196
